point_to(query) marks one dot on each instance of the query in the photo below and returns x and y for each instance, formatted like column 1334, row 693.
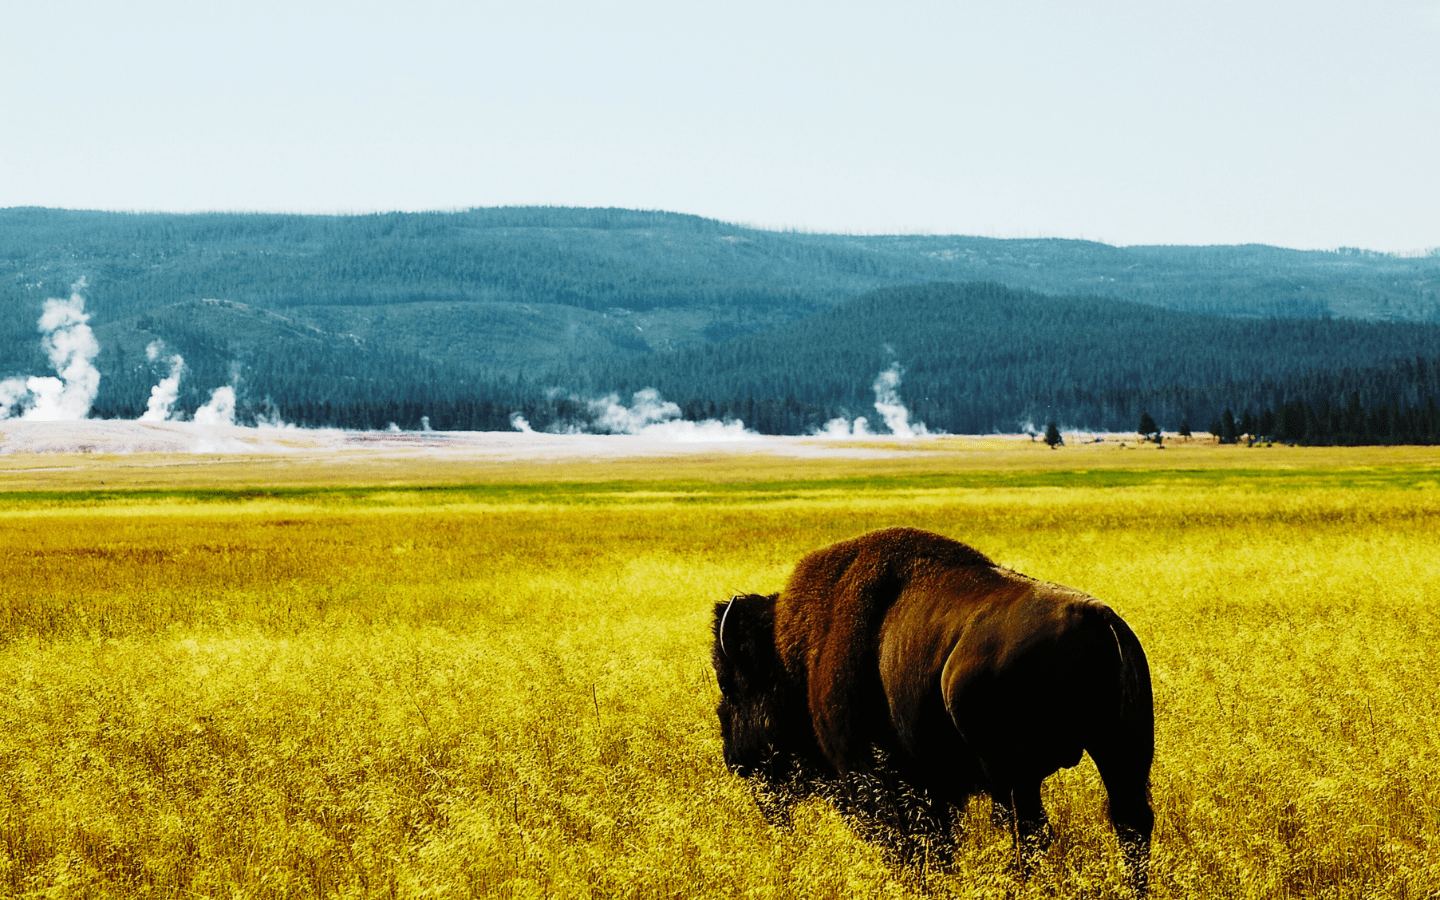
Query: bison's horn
column 723, row 617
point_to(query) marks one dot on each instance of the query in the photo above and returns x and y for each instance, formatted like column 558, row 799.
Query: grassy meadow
column 494, row 681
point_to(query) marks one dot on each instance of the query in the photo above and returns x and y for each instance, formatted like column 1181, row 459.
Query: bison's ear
column 744, row 632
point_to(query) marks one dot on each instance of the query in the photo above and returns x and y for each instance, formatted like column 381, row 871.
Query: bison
column 908, row 655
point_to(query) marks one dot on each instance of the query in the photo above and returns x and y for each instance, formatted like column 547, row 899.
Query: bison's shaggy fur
column 962, row 676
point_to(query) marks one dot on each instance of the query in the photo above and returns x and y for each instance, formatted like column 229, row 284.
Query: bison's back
column 828, row 622
column 840, row 594
column 922, row 645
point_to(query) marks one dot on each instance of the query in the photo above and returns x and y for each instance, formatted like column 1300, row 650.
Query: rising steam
column 890, row 407
column 842, row 427
column 648, row 415
column 164, row 394
column 72, row 349
column 69, row 395
column 220, row 410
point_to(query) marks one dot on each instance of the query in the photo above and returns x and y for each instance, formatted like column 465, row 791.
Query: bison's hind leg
column 1127, row 784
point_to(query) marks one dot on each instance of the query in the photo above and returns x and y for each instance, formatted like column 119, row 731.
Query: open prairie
column 345, row 673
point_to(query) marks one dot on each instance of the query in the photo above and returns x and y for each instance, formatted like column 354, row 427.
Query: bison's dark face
column 748, row 670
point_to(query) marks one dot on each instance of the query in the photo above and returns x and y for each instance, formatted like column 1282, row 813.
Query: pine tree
column 1229, row 432
column 1052, row 436
column 1148, row 428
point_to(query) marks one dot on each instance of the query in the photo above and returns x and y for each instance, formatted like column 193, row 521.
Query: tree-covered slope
column 598, row 259
column 382, row 316
column 981, row 357
column 1248, row 280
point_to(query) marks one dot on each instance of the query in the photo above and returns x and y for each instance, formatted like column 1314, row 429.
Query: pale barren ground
column 136, row 455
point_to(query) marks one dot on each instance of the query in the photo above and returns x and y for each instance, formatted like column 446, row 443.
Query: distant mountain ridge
column 325, row 312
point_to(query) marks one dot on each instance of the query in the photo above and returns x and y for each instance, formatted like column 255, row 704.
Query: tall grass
column 506, row 692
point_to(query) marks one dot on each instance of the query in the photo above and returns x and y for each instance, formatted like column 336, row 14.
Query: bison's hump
column 918, row 543
column 889, row 552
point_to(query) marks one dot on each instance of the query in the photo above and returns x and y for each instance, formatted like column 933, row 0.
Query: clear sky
column 1301, row 124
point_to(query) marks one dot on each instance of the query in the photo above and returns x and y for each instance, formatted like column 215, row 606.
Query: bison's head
column 751, row 686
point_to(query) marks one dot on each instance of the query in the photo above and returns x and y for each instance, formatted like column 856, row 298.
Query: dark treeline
column 975, row 358
column 980, row 358
column 1323, row 424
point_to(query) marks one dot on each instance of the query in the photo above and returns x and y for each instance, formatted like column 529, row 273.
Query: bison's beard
column 747, row 731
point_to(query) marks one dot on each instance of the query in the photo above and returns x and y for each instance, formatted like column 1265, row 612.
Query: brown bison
column 911, row 653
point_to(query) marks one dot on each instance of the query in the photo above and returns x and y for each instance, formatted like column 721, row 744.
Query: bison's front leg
column 914, row 825
column 782, row 782
column 933, row 824
column 774, row 802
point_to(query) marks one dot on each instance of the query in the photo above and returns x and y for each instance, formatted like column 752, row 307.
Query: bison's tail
column 1125, row 755
column 1137, row 705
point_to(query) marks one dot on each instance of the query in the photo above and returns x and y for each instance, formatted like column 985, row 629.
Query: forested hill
column 638, row 261
column 983, row 357
column 468, row 316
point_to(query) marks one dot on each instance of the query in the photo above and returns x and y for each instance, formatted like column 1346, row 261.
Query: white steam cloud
column 652, row 416
column 842, row 428
column 164, row 394
column 648, row 415
column 220, row 410
column 270, row 417
column 72, row 349
column 890, row 407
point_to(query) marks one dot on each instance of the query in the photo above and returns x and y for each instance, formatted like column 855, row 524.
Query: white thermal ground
column 19, row 436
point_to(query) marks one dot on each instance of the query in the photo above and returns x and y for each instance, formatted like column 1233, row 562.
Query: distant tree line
column 981, row 358
column 976, row 358
column 1323, row 424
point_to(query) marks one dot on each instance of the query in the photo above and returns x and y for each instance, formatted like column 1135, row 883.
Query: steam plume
column 220, row 410
column 164, row 394
column 842, row 427
column 72, row 349
column 652, row 416
column 648, row 415
column 890, row 407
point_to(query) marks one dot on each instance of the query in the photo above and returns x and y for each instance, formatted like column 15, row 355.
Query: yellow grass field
column 338, row 677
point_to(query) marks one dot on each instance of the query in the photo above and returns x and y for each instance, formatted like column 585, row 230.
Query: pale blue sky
column 1305, row 124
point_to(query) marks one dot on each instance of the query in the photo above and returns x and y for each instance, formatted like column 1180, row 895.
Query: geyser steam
column 164, row 394
column 647, row 414
column 72, row 349
column 220, row 410
column 890, row 407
